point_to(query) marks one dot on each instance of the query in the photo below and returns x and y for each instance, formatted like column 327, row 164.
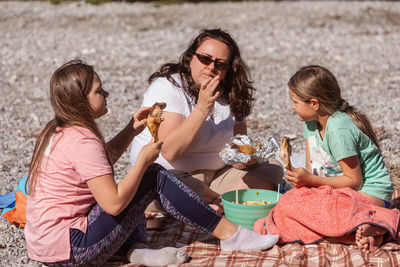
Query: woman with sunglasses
column 209, row 94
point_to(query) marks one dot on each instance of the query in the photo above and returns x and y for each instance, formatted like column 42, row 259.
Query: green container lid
column 246, row 215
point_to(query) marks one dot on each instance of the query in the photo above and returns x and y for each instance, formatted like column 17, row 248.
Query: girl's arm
column 352, row 176
column 113, row 198
column 308, row 161
column 178, row 132
column 121, row 141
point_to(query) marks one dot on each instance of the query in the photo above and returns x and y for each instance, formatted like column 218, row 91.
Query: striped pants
column 106, row 234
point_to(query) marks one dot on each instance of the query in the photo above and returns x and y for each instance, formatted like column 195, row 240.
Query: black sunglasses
column 206, row 60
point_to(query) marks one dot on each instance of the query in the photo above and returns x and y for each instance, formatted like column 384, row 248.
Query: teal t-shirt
column 344, row 139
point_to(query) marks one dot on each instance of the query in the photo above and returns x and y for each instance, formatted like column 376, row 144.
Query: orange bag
column 17, row 216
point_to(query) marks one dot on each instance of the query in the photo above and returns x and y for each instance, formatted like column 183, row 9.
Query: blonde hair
column 318, row 82
column 69, row 86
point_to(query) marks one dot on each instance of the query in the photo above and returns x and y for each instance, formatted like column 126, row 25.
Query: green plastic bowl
column 246, row 215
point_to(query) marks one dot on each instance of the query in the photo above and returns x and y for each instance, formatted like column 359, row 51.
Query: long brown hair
column 318, row 82
column 238, row 90
column 69, row 86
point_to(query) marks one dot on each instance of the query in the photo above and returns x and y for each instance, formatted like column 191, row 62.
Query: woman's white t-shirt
column 216, row 131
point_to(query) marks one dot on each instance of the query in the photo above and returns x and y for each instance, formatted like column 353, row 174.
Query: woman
column 208, row 95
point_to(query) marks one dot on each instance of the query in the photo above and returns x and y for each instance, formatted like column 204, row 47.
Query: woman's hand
column 139, row 120
column 208, row 95
column 178, row 131
column 299, row 177
column 150, row 152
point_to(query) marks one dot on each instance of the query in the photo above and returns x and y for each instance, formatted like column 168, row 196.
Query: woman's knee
column 271, row 171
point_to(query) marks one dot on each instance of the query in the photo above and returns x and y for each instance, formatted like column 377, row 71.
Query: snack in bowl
column 285, row 152
column 251, row 202
column 154, row 118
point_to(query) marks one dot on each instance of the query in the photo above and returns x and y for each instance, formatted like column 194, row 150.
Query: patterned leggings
column 106, row 234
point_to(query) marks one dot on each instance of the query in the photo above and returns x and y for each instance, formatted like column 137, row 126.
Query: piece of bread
column 154, row 119
column 285, row 152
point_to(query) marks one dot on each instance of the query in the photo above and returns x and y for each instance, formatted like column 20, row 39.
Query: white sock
column 244, row 239
column 157, row 257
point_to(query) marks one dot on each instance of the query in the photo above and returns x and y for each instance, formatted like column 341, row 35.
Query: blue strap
column 7, row 201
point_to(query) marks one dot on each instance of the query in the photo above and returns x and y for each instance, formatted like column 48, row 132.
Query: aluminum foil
column 266, row 148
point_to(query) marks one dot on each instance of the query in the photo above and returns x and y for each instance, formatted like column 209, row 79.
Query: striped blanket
column 204, row 250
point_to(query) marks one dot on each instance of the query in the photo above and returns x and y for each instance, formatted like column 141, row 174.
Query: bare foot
column 369, row 243
column 369, row 237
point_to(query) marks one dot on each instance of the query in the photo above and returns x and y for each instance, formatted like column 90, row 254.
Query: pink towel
column 308, row 215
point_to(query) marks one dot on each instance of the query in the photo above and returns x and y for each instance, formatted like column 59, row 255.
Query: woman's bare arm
column 178, row 132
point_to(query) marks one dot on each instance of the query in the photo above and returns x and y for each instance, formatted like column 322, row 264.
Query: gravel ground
column 358, row 41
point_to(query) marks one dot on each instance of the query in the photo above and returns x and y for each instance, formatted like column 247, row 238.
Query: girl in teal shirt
column 342, row 149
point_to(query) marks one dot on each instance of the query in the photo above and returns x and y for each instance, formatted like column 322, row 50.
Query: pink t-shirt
column 62, row 198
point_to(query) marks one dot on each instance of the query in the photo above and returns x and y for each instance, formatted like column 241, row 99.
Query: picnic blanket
column 204, row 250
column 308, row 215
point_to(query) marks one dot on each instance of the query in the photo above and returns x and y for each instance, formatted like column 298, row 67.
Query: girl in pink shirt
column 77, row 214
